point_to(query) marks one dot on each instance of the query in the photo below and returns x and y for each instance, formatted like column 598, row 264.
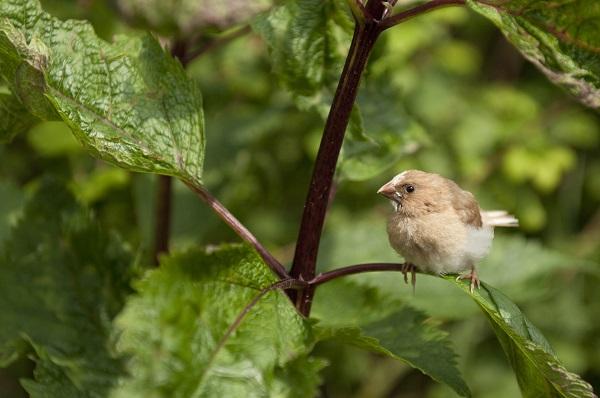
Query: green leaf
column 562, row 40
column 177, row 331
column 308, row 40
column 352, row 314
column 391, row 135
column 63, row 280
column 14, row 118
column 299, row 379
column 539, row 372
column 128, row 102
column 185, row 17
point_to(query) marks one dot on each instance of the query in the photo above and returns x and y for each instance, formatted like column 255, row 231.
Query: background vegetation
column 445, row 93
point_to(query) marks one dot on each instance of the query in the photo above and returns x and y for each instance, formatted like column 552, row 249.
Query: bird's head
column 415, row 192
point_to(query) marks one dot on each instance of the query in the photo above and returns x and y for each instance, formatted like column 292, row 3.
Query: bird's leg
column 473, row 277
column 409, row 267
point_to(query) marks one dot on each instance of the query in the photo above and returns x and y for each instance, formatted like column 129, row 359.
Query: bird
column 438, row 227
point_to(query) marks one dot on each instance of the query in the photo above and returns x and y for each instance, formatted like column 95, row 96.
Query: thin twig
column 355, row 269
column 420, row 9
column 162, row 210
column 216, row 43
column 283, row 284
column 163, row 217
column 239, row 229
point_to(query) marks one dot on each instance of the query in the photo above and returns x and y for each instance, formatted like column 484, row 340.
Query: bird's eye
column 409, row 188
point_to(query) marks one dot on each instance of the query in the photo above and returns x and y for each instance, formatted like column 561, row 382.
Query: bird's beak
column 389, row 191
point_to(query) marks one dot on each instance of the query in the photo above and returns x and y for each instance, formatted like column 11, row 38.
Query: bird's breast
column 434, row 242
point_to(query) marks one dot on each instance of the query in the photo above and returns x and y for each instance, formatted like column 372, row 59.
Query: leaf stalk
column 420, row 9
column 239, row 229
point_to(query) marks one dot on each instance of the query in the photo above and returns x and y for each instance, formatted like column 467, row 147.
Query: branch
column 282, row 284
column 420, row 9
column 356, row 269
column 358, row 11
column 162, row 210
column 216, row 43
column 239, row 229
column 315, row 207
column 162, row 217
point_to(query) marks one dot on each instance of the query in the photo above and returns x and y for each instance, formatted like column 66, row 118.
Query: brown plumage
column 437, row 226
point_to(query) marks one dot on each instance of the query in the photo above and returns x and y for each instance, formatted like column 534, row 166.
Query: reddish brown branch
column 216, row 43
column 420, row 9
column 283, row 284
column 162, row 210
column 315, row 207
column 239, row 229
column 163, row 217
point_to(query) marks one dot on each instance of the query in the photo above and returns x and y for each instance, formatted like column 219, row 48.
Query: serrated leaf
column 352, row 314
column 308, row 40
column 128, row 101
column 184, row 17
column 539, row 372
column 561, row 39
column 14, row 118
column 63, row 279
column 391, row 134
column 182, row 315
column 299, row 379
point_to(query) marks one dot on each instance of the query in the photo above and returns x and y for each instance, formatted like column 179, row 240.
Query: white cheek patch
column 398, row 177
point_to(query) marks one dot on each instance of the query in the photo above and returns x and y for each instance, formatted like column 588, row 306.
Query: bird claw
column 472, row 276
column 406, row 268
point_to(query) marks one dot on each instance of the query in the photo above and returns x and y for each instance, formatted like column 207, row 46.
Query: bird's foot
column 406, row 268
column 472, row 276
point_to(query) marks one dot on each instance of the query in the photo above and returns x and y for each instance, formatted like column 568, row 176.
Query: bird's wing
column 499, row 218
column 467, row 208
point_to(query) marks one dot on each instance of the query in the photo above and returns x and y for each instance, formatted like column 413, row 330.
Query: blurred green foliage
column 444, row 92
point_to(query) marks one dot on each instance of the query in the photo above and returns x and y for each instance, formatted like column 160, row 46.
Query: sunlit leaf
column 561, row 39
column 539, row 372
column 128, row 102
column 308, row 40
column 177, row 331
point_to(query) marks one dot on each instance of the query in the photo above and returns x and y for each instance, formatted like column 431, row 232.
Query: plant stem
column 216, row 43
column 163, row 217
column 315, row 207
column 282, row 284
column 162, row 225
column 420, row 9
column 355, row 269
column 239, row 229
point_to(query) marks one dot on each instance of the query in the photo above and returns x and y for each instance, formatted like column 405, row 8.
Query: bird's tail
column 499, row 218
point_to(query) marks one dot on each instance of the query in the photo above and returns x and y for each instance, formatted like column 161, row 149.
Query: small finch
column 438, row 227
